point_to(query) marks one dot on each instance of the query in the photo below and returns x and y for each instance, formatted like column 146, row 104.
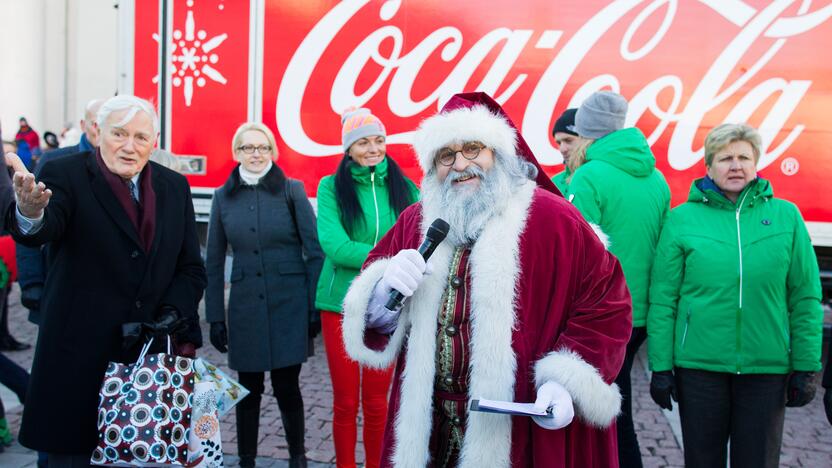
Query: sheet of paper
column 507, row 407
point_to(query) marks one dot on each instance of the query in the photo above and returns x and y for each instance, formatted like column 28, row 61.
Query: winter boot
column 293, row 425
column 248, row 426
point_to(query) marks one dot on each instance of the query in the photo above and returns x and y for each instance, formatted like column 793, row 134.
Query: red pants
column 348, row 379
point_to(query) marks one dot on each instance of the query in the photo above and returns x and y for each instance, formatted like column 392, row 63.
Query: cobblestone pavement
column 807, row 439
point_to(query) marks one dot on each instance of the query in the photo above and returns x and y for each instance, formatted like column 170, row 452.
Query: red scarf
column 142, row 216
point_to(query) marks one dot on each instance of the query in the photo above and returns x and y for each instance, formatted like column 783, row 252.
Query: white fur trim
column 596, row 402
column 475, row 123
column 354, row 326
column 493, row 364
column 602, row 236
column 413, row 419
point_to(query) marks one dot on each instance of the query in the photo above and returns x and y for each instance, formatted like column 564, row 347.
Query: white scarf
column 253, row 178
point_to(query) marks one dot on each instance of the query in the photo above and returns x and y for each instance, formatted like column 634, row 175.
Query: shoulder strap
column 290, row 202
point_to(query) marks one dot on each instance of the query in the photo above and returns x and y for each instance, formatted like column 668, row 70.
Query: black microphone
column 435, row 235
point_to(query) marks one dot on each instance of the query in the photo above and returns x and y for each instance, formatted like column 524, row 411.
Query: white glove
column 404, row 272
column 553, row 395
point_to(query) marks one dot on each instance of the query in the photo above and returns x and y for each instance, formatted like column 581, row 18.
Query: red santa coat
column 548, row 303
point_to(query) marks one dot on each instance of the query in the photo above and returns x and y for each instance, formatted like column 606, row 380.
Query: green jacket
column 619, row 189
column 748, row 310
column 560, row 180
column 346, row 253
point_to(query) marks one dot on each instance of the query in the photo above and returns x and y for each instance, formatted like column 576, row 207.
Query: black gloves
column 314, row 323
column 30, row 296
column 801, row 389
column 314, row 329
column 219, row 336
column 827, row 404
column 168, row 322
column 663, row 388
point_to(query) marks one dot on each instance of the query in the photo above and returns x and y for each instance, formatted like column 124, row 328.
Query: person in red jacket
column 523, row 304
column 7, row 255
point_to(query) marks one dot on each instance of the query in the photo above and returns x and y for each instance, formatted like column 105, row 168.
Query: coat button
column 134, row 254
column 253, row 230
column 256, row 252
column 138, row 304
column 259, row 274
column 251, row 208
column 449, row 380
column 456, row 421
column 456, row 282
column 451, row 330
column 262, row 296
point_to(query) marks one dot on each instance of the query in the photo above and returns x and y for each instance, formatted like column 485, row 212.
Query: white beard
column 467, row 209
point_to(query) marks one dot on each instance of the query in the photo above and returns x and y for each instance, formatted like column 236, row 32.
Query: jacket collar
column 84, row 144
column 272, row 182
column 362, row 174
column 705, row 190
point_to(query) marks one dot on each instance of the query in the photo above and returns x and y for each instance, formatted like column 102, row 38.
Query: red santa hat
column 474, row 117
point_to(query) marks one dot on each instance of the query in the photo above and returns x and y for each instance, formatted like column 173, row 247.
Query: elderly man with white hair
column 522, row 303
column 124, row 249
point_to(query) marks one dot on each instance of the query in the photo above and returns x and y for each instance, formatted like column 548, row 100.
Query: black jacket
column 100, row 278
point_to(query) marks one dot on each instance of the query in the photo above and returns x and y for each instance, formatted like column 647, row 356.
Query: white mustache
column 453, row 176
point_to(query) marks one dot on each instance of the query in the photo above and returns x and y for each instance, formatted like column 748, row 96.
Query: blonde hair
column 238, row 135
column 577, row 157
column 723, row 135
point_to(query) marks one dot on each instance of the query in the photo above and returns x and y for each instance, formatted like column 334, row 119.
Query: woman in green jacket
column 356, row 207
column 735, row 309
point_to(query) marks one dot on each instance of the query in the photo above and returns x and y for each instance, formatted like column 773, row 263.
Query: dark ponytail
column 351, row 212
column 399, row 195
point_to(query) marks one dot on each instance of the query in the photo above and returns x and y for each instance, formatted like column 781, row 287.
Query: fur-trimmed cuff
column 596, row 402
column 602, row 236
column 354, row 327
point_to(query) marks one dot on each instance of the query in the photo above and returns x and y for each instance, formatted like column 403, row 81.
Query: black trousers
column 286, row 386
column 629, row 454
column 717, row 407
column 285, row 383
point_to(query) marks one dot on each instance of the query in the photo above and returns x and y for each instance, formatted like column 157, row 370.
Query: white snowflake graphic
column 192, row 58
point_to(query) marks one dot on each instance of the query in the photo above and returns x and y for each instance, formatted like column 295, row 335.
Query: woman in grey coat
column 268, row 221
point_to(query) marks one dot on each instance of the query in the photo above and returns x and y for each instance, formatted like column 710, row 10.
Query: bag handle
column 146, row 348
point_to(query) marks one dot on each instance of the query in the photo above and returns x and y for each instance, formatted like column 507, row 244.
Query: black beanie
column 566, row 122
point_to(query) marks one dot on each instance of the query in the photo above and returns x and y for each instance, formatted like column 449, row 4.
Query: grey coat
column 277, row 260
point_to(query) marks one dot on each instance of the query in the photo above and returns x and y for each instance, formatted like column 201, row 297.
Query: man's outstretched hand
column 31, row 197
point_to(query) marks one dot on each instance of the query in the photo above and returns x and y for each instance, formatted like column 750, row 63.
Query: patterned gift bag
column 144, row 411
column 205, row 444
column 229, row 391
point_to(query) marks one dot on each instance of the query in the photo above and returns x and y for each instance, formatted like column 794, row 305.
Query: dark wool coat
column 548, row 303
column 277, row 260
column 99, row 278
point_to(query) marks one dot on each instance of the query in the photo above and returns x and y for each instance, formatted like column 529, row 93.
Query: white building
column 56, row 55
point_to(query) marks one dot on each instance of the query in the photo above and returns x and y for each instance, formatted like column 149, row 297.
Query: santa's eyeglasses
column 470, row 150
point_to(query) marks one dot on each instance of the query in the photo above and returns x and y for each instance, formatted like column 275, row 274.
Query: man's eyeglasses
column 250, row 149
column 470, row 150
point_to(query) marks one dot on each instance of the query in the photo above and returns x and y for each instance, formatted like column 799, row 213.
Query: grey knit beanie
column 601, row 114
column 357, row 124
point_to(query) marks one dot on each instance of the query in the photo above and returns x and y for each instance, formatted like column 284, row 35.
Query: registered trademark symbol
column 790, row 166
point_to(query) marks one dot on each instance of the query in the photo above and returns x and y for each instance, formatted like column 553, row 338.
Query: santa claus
column 521, row 302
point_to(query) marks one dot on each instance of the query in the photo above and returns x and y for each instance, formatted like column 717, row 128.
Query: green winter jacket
column 346, row 253
column 560, row 180
column 619, row 189
column 749, row 310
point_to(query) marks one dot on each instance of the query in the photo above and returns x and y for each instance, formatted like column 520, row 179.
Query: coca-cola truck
column 685, row 66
